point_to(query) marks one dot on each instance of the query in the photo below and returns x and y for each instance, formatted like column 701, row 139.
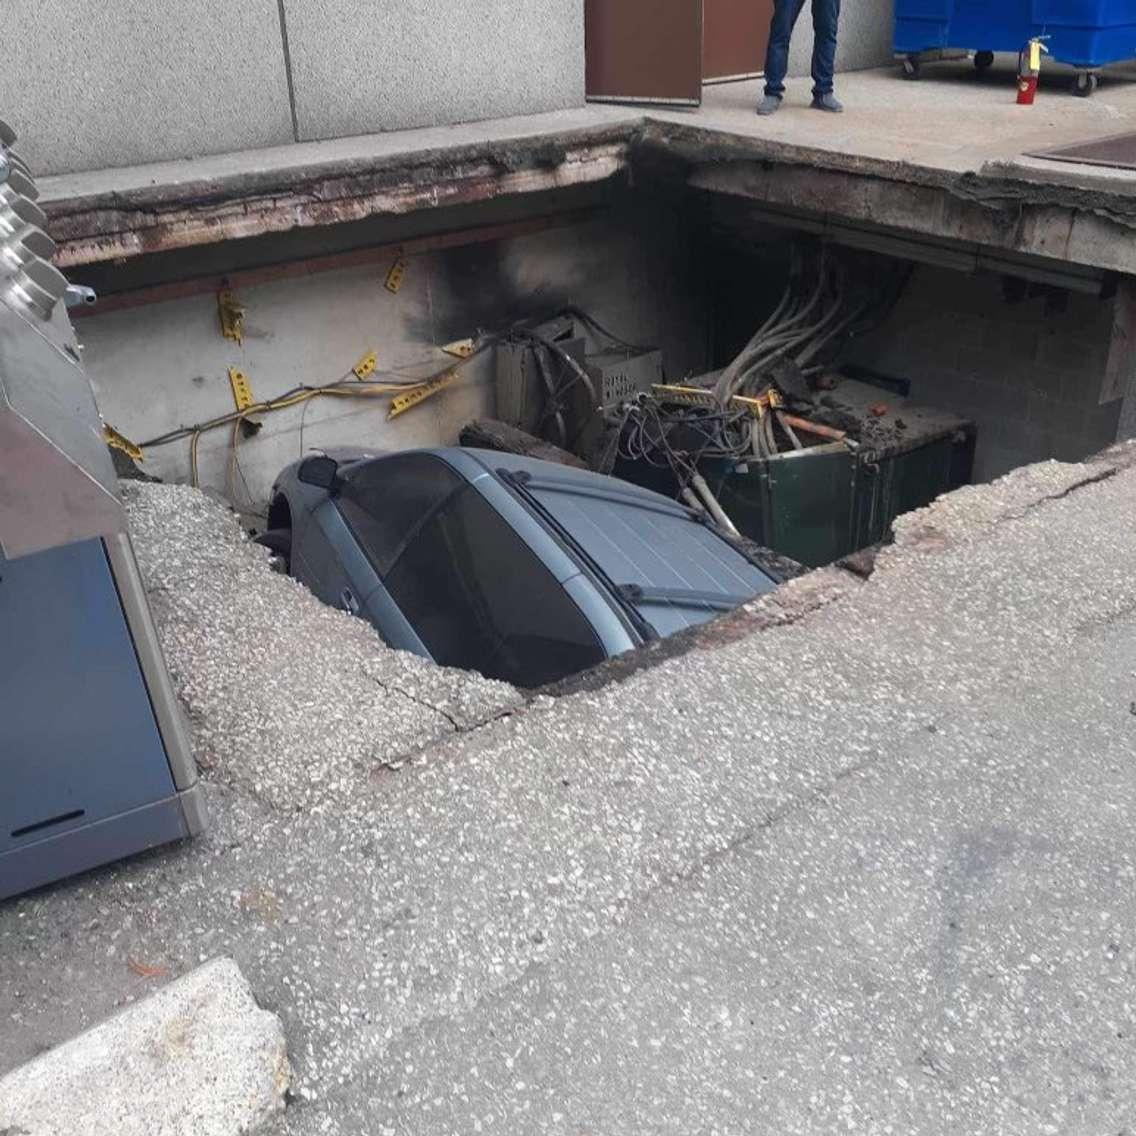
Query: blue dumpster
column 1086, row 34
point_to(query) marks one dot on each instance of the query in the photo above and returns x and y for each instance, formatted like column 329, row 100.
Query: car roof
column 666, row 561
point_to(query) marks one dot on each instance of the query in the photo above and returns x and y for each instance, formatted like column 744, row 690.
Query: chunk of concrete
column 197, row 1058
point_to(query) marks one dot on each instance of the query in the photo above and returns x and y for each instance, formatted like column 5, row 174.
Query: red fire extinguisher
column 1029, row 70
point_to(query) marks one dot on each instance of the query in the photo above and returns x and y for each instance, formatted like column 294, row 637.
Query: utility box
column 94, row 758
column 619, row 374
column 802, row 503
column 819, row 504
column 524, row 376
column 540, row 392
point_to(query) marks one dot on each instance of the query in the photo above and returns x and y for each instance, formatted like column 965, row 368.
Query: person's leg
column 826, row 16
column 785, row 13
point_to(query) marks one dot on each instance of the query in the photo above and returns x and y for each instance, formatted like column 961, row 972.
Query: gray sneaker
column 827, row 102
column 770, row 104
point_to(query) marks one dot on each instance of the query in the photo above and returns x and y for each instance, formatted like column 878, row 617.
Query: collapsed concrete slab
column 199, row 1057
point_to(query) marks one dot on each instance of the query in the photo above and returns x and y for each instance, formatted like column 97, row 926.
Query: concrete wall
column 1031, row 372
column 95, row 83
column 866, row 31
column 166, row 365
column 360, row 66
column 91, row 83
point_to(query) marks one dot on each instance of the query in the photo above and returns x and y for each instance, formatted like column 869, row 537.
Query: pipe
column 693, row 500
column 815, row 428
column 711, row 502
column 789, row 431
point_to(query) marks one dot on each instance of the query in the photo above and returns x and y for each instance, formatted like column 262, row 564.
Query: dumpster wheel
column 1085, row 83
column 912, row 66
column 983, row 60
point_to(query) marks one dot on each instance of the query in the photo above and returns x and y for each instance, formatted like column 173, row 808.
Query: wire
column 830, row 297
column 195, row 438
column 348, row 386
column 598, row 327
column 303, row 416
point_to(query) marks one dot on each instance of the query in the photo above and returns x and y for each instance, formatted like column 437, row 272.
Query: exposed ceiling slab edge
column 1063, row 220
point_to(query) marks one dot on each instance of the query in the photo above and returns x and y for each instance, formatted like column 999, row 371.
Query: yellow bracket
column 692, row 396
column 462, row 349
column 119, row 441
column 401, row 403
column 396, row 274
column 232, row 316
column 242, row 392
column 365, row 368
column 699, row 396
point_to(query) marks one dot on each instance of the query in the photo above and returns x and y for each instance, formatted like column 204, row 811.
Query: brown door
column 735, row 34
column 644, row 50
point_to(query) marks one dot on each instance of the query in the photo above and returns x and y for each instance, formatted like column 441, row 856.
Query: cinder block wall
column 96, row 83
column 1031, row 372
column 312, row 329
column 866, row 31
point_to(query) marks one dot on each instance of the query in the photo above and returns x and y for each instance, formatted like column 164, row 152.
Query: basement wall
column 89, row 84
column 165, row 365
column 1030, row 370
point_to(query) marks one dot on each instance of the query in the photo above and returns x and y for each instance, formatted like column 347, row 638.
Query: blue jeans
column 826, row 15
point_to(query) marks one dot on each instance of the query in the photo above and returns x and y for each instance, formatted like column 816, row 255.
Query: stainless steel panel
column 163, row 700
column 57, row 481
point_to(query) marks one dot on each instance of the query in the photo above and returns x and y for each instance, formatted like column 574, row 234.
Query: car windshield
column 384, row 501
column 474, row 592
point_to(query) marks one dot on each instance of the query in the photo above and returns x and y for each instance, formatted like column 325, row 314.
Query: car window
column 384, row 500
column 479, row 598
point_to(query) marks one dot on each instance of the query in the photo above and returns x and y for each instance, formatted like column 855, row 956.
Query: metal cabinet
column 94, row 759
column 85, row 755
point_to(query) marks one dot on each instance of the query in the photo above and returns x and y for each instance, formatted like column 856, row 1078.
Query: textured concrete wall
column 1031, row 372
column 866, row 28
column 634, row 272
column 93, row 83
column 360, row 66
column 96, row 83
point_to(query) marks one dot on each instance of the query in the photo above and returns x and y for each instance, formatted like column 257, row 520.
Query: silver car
column 519, row 569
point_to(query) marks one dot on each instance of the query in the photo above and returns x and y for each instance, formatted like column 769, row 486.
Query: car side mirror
column 319, row 470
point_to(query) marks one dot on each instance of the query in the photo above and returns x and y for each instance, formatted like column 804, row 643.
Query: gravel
column 288, row 698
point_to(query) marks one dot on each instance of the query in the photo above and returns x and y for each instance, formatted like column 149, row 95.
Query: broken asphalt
column 861, row 859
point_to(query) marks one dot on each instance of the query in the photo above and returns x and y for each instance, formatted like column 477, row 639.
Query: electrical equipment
column 549, row 387
column 620, row 374
column 94, row 759
column 524, row 375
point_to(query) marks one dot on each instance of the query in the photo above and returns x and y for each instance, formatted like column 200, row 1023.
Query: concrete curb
column 197, row 1058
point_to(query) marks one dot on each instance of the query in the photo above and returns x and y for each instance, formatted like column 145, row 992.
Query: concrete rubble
column 198, row 1058
column 270, row 676
column 859, row 863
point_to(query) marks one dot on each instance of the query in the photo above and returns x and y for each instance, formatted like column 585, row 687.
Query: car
column 522, row 570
